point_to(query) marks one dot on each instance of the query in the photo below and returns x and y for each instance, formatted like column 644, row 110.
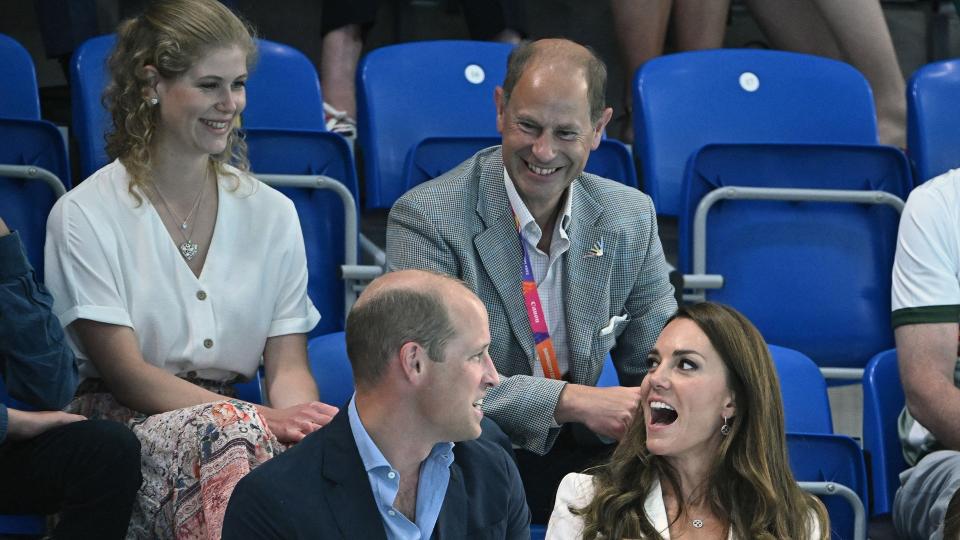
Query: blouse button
column 201, row 295
column 208, row 343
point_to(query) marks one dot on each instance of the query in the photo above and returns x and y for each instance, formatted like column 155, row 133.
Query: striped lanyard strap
column 538, row 323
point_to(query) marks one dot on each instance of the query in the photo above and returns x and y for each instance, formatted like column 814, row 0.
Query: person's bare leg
column 864, row 38
column 853, row 31
column 795, row 25
column 700, row 25
column 641, row 27
column 338, row 67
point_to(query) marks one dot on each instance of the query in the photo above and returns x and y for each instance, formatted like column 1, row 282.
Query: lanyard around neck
column 543, row 344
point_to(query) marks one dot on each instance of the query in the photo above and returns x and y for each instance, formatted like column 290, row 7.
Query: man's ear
column 412, row 361
column 600, row 126
column 499, row 104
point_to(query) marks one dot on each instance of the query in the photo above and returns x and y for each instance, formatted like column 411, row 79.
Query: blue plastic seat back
column 814, row 277
column 687, row 100
column 608, row 374
column 434, row 156
column 612, row 160
column 411, row 91
column 331, row 368
column 806, row 406
column 932, row 118
column 19, row 96
column 817, row 457
column 91, row 121
column 274, row 151
column 283, row 90
column 883, row 400
column 252, row 390
column 24, row 204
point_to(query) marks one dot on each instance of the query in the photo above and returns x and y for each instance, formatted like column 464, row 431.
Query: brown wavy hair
column 750, row 480
column 172, row 36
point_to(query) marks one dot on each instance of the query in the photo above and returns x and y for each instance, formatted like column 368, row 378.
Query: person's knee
column 105, row 454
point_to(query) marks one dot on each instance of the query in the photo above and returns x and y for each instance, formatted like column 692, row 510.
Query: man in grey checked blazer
column 615, row 292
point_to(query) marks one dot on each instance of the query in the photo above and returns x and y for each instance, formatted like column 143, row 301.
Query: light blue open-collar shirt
column 385, row 483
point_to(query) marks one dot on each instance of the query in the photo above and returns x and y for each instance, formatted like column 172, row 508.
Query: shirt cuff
column 14, row 260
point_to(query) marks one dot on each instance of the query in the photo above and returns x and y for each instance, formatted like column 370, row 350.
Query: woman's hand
column 28, row 424
column 292, row 424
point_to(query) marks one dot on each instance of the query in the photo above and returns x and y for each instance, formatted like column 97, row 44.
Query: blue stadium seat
column 932, row 117
column 252, row 390
column 434, row 156
column 806, row 406
column 813, row 276
column 26, row 199
column 283, row 90
column 331, row 368
column 19, row 97
column 88, row 79
column 833, row 459
column 687, row 100
column 411, row 91
column 321, row 212
column 883, row 400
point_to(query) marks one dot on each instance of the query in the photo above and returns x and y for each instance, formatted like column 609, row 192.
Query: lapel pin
column 596, row 250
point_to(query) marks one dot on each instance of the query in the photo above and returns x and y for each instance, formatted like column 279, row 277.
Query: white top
column 577, row 490
column 111, row 261
column 547, row 270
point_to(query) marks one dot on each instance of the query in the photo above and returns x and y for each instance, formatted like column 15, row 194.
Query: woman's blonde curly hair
column 172, row 36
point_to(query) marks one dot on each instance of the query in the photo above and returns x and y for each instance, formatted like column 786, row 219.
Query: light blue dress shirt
column 385, row 483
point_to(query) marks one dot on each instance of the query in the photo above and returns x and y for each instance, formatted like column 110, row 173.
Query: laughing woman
column 175, row 272
column 706, row 458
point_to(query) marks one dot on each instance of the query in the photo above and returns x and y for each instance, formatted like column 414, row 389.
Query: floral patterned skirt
column 191, row 460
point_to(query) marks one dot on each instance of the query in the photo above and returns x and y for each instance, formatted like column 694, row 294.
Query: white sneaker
column 339, row 122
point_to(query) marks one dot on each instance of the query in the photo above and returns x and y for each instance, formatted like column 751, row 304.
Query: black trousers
column 87, row 471
column 541, row 475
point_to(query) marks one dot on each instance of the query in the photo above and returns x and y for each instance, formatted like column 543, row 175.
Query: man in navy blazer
column 403, row 459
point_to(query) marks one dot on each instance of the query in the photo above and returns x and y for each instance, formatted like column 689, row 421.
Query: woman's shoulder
column 101, row 193
column 576, row 488
column 244, row 186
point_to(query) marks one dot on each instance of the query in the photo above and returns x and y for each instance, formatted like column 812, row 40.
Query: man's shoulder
column 618, row 202
column 299, row 464
column 460, row 184
column 942, row 191
column 484, row 462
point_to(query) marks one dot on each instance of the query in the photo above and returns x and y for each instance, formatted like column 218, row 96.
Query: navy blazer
column 319, row 489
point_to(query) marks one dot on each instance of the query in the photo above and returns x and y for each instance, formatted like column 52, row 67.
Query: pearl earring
column 153, row 101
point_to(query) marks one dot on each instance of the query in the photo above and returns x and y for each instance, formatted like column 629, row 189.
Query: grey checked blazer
column 447, row 226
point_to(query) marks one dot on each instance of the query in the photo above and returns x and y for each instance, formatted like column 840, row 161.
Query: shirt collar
column 527, row 223
column 371, row 455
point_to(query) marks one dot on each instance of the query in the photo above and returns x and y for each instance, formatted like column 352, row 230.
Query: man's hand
column 28, row 424
column 292, row 424
column 606, row 411
column 3, row 228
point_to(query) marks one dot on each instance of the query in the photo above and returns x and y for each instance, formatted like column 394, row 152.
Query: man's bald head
column 560, row 54
column 397, row 308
